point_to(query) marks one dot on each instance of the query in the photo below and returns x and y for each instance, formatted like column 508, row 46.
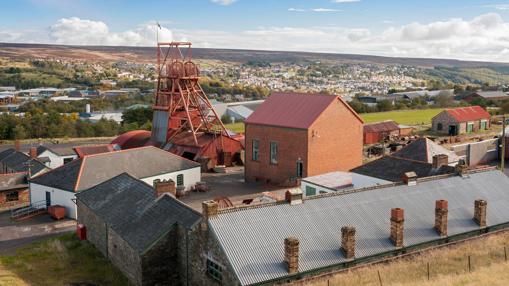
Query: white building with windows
column 55, row 156
column 148, row 164
column 338, row 182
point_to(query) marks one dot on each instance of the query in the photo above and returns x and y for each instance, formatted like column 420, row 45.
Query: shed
column 379, row 131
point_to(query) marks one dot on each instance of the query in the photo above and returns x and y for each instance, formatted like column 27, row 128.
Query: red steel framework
column 181, row 96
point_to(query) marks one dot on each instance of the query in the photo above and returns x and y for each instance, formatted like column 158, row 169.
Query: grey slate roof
column 91, row 170
column 423, row 149
column 18, row 161
column 56, row 149
column 130, row 208
column 392, row 168
column 252, row 239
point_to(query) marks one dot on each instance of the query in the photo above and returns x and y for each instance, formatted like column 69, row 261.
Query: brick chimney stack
column 410, row 178
column 397, row 221
column 292, row 254
column 441, row 211
column 164, row 186
column 209, row 209
column 32, row 152
column 440, row 160
column 480, row 212
column 17, row 145
column 294, row 197
column 348, row 241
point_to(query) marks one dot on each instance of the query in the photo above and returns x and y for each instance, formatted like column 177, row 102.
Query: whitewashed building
column 337, row 182
column 148, row 164
column 56, row 156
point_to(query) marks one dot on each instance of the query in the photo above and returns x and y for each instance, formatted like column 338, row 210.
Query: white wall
column 58, row 197
column 191, row 176
column 318, row 188
column 55, row 160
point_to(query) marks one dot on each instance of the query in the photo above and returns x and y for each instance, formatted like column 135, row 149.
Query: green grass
column 406, row 117
column 58, row 261
column 236, row 127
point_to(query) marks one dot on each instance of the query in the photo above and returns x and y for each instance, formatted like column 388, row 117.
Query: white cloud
column 296, row 10
column 224, row 2
column 502, row 7
column 485, row 37
column 325, row 10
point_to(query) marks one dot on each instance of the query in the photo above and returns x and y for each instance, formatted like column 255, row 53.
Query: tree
column 20, row 132
column 443, row 99
column 385, row 105
column 505, row 107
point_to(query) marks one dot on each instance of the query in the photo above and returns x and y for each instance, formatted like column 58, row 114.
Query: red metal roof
column 384, row 126
column 294, row 110
column 133, row 139
column 93, row 149
column 470, row 113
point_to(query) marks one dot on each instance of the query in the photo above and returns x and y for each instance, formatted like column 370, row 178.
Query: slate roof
column 293, row 110
column 392, row 168
column 423, row 149
column 12, row 181
column 469, row 113
column 130, row 208
column 253, row 239
column 58, row 150
column 84, row 173
column 384, row 126
column 18, row 161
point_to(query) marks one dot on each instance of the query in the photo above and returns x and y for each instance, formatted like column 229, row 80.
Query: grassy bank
column 448, row 266
column 58, row 261
column 406, row 117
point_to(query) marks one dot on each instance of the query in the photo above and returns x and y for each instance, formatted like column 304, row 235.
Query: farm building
column 13, row 191
column 295, row 135
column 56, row 156
column 139, row 228
column 337, row 182
column 461, row 120
column 487, row 95
column 148, row 164
column 379, row 131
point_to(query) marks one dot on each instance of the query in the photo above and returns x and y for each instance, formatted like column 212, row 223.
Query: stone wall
column 160, row 263
column 125, row 258
column 96, row 228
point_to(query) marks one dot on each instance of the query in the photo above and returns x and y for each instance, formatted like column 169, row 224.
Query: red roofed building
column 461, row 120
column 379, row 131
column 293, row 135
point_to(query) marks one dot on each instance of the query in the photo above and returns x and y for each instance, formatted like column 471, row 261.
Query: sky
column 466, row 30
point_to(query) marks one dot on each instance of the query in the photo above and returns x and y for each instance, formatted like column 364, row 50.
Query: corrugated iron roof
column 384, row 126
column 253, row 238
column 293, row 110
column 470, row 113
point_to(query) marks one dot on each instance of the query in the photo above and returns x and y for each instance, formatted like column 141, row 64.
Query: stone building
column 461, row 120
column 295, row 135
column 13, row 191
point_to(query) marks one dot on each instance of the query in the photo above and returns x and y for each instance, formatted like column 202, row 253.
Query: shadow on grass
column 63, row 260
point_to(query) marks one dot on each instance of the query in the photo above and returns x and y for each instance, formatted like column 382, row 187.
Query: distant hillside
column 147, row 54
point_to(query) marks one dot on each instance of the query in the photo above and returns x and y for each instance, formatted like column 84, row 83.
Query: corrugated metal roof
column 384, row 126
column 470, row 113
column 253, row 238
column 293, row 110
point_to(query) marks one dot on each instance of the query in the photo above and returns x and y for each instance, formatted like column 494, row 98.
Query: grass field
column 59, row 261
column 448, row 266
column 406, row 117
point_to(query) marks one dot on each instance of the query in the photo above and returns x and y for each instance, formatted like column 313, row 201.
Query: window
column 440, row 126
column 12, row 196
column 310, row 191
column 256, row 149
column 470, row 127
column 214, row 270
column 484, row 125
column 273, row 152
column 299, row 168
column 67, row 160
column 180, row 179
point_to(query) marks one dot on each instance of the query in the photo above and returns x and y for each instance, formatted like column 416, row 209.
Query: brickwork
column 210, row 209
column 480, row 207
column 441, row 212
column 348, row 241
column 440, row 160
column 292, row 254
column 165, row 186
column 23, row 199
column 397, row 229
column 333, row 142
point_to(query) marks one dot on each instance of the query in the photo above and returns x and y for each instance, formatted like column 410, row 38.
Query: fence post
column 379, row 278
column 505, row 253
column 469, row 265
column 428, row 270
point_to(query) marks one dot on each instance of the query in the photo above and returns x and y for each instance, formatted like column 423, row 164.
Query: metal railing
column 34, row 208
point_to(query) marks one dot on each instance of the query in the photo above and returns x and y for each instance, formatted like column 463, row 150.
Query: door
column 453, row 130
column 48, row 199
column 299, row 168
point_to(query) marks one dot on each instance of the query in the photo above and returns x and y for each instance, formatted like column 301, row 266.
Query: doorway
column 453, row 130
column 300, row 168
column 48, row 199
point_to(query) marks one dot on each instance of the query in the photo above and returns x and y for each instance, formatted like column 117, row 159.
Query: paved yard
column 229, row 185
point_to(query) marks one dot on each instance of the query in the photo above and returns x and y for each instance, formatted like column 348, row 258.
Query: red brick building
column 293, row 135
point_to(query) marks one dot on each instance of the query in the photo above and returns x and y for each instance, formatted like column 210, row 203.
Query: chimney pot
column 410, row 178
column 348, row 241
column 480, row 207
column 17, row 145
column 292, row 254
column 294, row 197
column 397, row 227
column 33, row 152
column 441, row 212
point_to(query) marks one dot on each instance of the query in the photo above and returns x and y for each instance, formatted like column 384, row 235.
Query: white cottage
column 59, row 186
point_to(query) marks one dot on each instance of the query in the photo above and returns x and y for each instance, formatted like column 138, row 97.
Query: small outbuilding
column 461, row 120
column 379, row 131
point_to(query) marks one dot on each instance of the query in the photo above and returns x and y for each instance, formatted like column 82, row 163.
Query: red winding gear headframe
column 181, row 106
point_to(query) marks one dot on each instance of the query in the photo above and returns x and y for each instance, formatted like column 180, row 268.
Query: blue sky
column 449, row 29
